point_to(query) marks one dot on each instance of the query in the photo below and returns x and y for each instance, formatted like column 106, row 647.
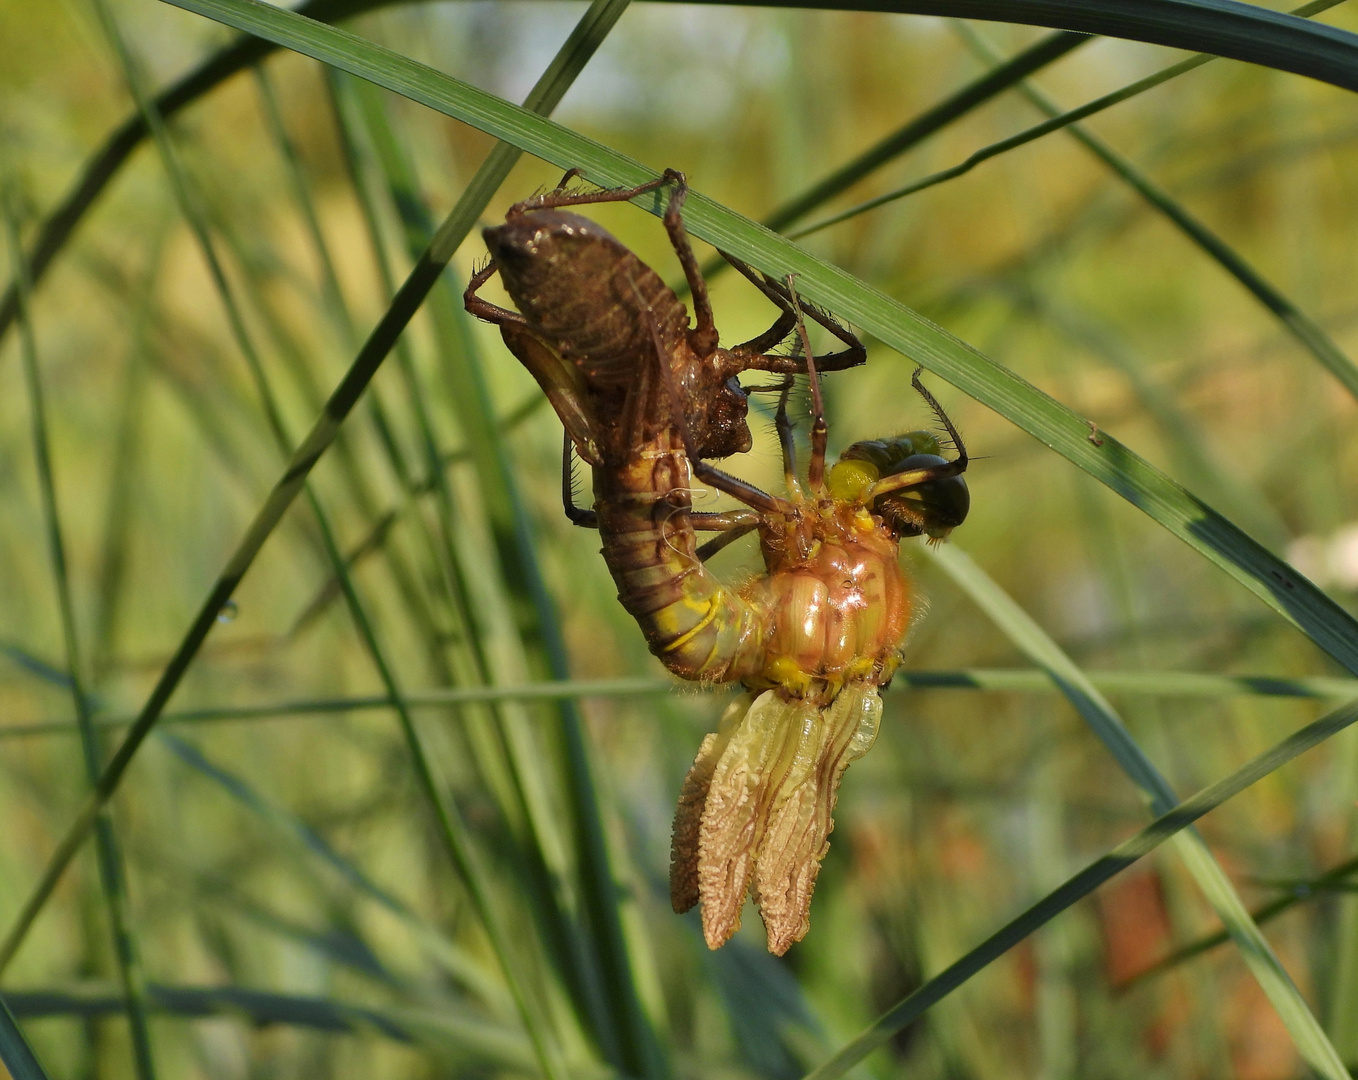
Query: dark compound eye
column 932, row 507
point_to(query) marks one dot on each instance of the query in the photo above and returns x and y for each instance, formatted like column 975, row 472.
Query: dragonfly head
column 932, row 507
column 718, row 418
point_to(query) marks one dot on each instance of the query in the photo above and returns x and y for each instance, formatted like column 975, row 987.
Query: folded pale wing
column 736, row 810
column 799, row 820
column 692, row 800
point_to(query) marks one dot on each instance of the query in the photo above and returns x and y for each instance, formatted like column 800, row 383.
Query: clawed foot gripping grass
column 326, row 749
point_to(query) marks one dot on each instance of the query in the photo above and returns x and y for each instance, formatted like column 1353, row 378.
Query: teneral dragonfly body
column 646, row 399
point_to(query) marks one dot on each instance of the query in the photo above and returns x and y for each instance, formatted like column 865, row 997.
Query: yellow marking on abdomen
column 702, row 624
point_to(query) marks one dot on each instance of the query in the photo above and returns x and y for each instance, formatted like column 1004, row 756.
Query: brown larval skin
column 593, row 314
column 593, row 303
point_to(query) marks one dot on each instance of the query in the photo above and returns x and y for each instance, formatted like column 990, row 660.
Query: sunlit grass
column 287, row 871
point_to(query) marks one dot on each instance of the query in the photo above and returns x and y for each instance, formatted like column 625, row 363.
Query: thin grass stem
column 15, row 1053
column 117, row 149
column 440, row 1030
column 1299, row 892
column 1300, row 325
column 1169, row 684
column 1022, row 138
column 111, row 870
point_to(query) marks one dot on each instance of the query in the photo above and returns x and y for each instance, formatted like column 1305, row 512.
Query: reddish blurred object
column 1135, row 925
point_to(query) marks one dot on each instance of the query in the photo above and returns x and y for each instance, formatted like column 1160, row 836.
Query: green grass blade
column 1056, row 994
column 1177, row 684
column 331, row 293
column 1300, row 325
column 120, row 503
column 15, row 1053
column 1103, row 457
column 1081, row 885
column 1307, row 1034
column 111, row 870
column 463, row 1034
column 1238, row 31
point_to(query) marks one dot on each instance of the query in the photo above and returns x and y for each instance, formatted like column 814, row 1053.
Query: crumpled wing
column 757, row 805
column 797, row 833
column 758, row 755
column 692, row 799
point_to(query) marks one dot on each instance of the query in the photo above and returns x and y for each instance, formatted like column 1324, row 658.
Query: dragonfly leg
column 711, row 547
column 484, row 309
column 820, row 433
column 586, row 519
column 942, row 416
column 754, row 353
column 571, row 174
column 724, row 520
column 783, row 425
column 560, row 197
column 913, row 478
column 787, row 318
column 740, row 490
column 703, row 336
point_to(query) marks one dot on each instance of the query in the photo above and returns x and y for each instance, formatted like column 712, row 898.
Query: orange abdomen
column 841, row 614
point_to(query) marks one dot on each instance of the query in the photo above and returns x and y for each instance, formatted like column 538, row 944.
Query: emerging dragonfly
column 645, row 398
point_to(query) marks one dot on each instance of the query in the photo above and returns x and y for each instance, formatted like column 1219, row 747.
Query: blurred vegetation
column 289, row 904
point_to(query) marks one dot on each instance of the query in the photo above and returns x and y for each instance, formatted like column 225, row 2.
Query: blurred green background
column 295, row 912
